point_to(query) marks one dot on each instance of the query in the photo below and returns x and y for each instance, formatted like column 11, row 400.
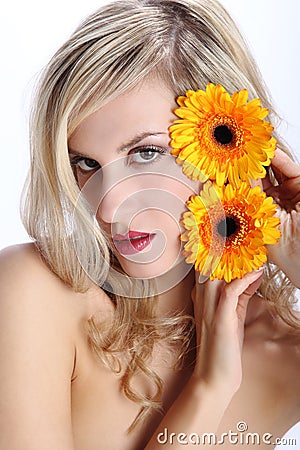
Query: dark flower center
column 227, row 227
column 223, row 135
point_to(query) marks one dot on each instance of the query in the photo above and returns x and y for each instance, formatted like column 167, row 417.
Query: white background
column 32, row 30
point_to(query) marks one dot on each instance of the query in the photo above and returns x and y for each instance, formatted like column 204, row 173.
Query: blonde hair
column 185, row 43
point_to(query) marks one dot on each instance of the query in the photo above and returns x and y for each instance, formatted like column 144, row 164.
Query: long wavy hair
column 186, row 44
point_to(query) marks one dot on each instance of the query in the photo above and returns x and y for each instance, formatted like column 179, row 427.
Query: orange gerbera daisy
column 227, row 230
column 221, row 137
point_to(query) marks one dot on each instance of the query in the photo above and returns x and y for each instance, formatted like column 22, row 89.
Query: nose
column 116, row 196
column 110, row 209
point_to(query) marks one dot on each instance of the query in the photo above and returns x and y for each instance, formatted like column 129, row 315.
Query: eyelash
column 78, row 159
column 159, row 151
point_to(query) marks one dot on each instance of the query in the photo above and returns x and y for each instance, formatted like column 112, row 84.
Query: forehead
column 146, row 108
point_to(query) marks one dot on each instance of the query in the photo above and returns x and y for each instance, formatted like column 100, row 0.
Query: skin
column 134, row 187
column 246, row 362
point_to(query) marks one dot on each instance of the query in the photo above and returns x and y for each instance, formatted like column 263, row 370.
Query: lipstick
column 132, row 242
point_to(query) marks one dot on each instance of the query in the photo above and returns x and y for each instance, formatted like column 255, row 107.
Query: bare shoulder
column 33, row 300
column 30, row 290
column 27, row 282
column 41, row 324
column 24, row 264
column 37, row 352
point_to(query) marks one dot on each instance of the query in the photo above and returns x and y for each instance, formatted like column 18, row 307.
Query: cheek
column 81, row 178
column 165, row 251
column 173, row 195
column 151, row 199
column 160, row 209
column 162, row 222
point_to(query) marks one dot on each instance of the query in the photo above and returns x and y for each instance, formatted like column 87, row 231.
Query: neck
column 178, row 298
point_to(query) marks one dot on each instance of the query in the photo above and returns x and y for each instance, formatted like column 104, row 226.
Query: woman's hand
column 220, row 312
column 286, row 253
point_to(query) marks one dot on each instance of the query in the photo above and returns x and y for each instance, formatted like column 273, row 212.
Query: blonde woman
column 108, row 340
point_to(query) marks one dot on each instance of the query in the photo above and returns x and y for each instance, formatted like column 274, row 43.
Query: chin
column 143, row 270
column 160, row 267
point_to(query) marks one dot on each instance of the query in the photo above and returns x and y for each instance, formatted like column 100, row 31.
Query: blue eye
column 147, row 154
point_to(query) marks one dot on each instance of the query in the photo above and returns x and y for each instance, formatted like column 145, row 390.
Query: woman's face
column 122, row 159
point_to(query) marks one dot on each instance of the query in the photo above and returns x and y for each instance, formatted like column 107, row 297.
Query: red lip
column 132, row 242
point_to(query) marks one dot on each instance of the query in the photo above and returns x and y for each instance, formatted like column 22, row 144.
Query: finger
column 266, row 183
column 269, row 188
column 286, row 195
column 290, row 189
column 212, row 294
column 205, row 306
column 244, row 299
column 239, row 290
column 207, row 297
column 282, row 163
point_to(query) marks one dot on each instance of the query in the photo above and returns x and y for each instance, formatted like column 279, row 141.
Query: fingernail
column 202, row 278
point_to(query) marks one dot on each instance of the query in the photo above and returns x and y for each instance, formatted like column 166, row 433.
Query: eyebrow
column 129, row 144
column 138, row 138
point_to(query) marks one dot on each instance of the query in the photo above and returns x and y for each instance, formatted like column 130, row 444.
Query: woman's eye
column 85, row 164
column 145, row 154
